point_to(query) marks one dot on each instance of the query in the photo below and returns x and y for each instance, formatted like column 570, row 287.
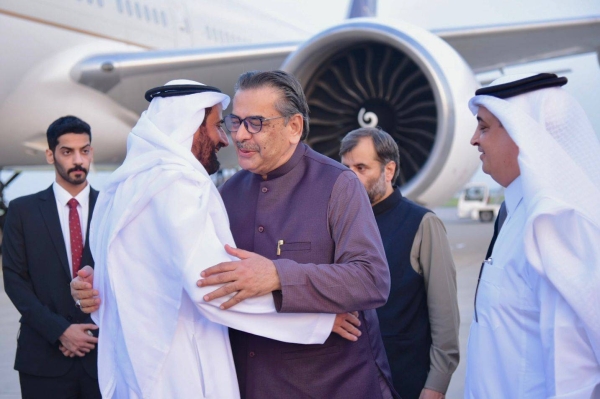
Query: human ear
column 296, row 126
column 49, row 156
column 390, row 168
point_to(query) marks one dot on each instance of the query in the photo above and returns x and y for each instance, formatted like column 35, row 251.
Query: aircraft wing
column 493, row 47
column 123, row 76
column 126, row 76
column 365, row 72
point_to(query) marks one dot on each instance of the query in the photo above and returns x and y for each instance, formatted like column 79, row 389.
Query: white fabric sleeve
column 198, row 233
column 571, row 367
column 562, row 251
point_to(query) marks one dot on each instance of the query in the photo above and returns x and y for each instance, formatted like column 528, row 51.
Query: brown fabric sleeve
column 358, row 279
column 431, row 257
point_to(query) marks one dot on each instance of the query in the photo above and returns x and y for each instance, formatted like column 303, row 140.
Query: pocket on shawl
column 488, row 297
column 299, row 251
column 295, row 246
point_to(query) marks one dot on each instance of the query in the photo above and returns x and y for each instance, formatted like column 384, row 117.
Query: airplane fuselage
column 41, row 41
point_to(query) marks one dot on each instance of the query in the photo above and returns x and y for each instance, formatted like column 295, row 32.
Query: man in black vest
column 45, row 244
column 420, row 321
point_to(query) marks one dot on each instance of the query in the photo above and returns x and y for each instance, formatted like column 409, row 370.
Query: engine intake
column 399, row 77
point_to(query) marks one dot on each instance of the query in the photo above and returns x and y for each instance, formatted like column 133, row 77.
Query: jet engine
column 403, row 79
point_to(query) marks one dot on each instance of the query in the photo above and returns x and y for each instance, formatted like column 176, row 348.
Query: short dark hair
column 64, row 125
column 385, row 146
column 293, row 100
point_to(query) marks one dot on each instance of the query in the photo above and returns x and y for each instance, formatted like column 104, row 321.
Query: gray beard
column 377, row 190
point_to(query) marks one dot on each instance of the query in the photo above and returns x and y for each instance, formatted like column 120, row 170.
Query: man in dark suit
column 45, row 244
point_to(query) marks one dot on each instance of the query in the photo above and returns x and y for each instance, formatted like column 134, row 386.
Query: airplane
column 96, row 58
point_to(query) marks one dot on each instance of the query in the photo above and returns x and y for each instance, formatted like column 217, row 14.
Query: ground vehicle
column 475, row 203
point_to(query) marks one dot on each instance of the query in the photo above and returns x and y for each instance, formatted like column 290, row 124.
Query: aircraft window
column 128, row 6
column 155, row 15
column 138, row 11
column 100, row 3
column 147, row 13
column 163, row 16
column 120, row 6
column 90, row 1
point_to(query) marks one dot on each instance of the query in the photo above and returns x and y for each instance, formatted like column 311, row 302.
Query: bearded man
column 45, row 243
column 419, row 323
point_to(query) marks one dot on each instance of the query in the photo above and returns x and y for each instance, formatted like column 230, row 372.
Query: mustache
column 78, row 168
column 246, row 146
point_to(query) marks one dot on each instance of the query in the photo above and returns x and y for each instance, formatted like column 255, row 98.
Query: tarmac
column 468, row 239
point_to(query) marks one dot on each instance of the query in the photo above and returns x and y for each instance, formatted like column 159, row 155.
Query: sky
column 582, row 71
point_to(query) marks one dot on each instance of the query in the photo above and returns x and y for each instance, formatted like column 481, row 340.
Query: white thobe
column 527, row 342
column 159, row 222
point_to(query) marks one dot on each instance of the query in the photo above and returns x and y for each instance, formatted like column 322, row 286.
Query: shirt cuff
column 437, row 381
column 290, row 276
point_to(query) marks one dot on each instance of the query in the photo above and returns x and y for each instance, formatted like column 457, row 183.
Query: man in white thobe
column 536, row 327
column 157, row 224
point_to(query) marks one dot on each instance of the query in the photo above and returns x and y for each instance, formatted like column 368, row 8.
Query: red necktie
column 75, row 232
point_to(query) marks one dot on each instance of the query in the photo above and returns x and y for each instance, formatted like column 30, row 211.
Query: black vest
column 404, row 319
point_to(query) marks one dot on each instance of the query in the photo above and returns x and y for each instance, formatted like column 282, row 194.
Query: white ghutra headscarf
column 559, row 160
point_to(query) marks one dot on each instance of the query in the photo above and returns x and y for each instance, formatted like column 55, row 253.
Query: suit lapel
column 50, row 215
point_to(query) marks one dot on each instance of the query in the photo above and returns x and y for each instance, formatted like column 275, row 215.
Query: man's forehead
column 255, row 98
column 70, row 139
column 364, row 151
column 219, row 108
column 485, row 115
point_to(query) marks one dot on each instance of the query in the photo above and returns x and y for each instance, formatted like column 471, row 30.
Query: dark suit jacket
column 36, row 279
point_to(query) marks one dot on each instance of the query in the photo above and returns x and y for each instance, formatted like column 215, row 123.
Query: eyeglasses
column 253, row 124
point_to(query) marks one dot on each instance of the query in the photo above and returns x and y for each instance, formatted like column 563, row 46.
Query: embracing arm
column 358, row 279
column 197, row 235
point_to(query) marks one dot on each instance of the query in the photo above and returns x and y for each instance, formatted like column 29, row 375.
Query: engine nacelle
column 405, row 80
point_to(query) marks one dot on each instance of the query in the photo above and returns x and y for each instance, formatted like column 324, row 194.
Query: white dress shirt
column 62, row 197
column 528, row 342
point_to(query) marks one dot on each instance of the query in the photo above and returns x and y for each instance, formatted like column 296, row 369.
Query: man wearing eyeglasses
column 305, row 232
